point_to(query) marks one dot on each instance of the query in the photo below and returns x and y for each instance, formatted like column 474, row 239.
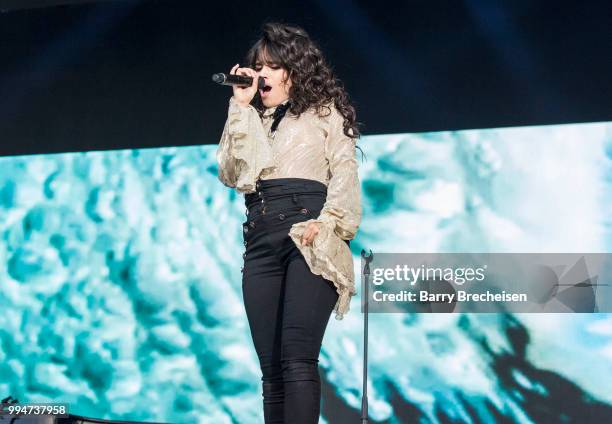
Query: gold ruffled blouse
column 312, row 147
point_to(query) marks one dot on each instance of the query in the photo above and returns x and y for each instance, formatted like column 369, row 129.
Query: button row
column 281, row 216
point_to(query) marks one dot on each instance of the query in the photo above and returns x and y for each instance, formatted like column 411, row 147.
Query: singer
column 290, row 148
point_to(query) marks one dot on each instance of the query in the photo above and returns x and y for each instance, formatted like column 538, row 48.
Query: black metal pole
column 366, row 274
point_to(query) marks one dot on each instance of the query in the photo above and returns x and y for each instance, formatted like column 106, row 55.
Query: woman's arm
column 342, row 209
column 244, row 151
column 328, row 255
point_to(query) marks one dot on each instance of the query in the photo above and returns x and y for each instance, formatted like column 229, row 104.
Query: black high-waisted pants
column 287, row 306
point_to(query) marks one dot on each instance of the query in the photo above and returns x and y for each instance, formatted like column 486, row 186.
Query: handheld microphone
column 242, row 80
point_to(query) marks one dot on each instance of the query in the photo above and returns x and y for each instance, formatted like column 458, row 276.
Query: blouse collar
column 270, row 111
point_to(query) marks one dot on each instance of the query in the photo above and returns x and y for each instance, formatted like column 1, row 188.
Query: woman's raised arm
column 244, row 151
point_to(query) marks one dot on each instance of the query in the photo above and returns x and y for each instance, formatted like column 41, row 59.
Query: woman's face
column 278, row 90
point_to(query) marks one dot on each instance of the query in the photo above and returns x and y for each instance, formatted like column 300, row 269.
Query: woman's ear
column 287, row 79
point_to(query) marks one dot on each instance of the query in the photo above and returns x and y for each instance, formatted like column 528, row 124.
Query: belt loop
column 295, row 199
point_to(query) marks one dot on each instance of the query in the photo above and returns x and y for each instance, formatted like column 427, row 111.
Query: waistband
column 280, row 187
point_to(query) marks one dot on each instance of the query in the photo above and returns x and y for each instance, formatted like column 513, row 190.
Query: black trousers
column 287, row 306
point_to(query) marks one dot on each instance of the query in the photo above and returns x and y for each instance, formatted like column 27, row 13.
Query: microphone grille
column 218, row 78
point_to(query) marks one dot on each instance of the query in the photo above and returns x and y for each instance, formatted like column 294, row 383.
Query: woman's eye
column 258, row 68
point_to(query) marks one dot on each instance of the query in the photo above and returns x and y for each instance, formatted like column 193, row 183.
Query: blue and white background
column 120, row 283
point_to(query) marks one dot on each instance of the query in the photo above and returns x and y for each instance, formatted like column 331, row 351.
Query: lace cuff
column 329, row 256
column 345, row 222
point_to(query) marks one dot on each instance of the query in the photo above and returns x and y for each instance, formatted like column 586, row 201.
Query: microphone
column 242, row 80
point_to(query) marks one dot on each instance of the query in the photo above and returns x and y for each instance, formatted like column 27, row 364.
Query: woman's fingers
column 244, row 94
column 240, row 71
column 244, row 71
column 248, row 72
column 255, row 76
column 309, row 234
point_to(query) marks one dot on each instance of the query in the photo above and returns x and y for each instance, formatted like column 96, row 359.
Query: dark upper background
column 81, row 75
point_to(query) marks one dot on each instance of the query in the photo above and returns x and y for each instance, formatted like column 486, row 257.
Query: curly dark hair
column 313, row 81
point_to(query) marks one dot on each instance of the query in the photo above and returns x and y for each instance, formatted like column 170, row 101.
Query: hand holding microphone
column 243, row 93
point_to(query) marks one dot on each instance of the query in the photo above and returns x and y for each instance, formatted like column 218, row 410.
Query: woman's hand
column 244, row 95
column 312, row 229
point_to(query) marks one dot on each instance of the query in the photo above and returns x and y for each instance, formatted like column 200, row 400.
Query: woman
column 290, row 148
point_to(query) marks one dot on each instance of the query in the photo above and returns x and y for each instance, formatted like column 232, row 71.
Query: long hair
column 313, row 81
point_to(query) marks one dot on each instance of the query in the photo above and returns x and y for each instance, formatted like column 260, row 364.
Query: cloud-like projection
column 121, row 287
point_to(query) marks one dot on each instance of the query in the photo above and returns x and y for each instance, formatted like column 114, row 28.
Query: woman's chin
column 268, row 103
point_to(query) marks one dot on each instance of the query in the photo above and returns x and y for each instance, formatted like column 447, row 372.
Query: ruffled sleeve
column 329, row 255
column 244, row 153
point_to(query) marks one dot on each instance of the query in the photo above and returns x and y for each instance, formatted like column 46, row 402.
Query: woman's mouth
column 264, row 91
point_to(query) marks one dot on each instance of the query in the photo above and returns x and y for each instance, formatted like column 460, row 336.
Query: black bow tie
column 279, row 112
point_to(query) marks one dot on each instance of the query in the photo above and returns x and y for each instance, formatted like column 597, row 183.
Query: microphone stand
column 366, row 274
